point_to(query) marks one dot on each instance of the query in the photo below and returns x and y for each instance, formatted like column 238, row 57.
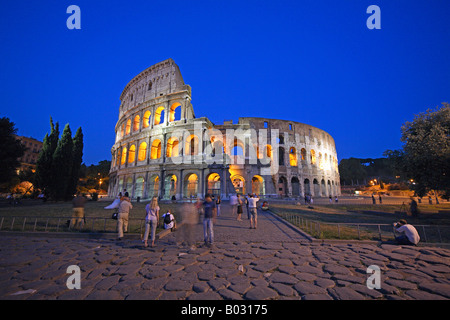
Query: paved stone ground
column 271, row 262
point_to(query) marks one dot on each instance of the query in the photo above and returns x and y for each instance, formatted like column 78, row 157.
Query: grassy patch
column 35, row 215
column 333, row 221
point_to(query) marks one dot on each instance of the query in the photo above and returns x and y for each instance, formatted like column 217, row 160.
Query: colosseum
column 162, row 149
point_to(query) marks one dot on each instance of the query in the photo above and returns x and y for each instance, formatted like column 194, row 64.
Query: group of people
column 250, row 201
column 208, row 209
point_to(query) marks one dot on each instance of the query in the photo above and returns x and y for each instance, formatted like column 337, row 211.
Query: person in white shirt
column 253, row 210
column 408, row 234
column 169, row 220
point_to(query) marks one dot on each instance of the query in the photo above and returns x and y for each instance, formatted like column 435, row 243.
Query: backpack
column 167, row 219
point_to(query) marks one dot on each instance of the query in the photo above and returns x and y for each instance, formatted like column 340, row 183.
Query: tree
column 77, row 155
column 11, row 150
column 45, row 177
column 425, row 155
column 351, row 171
column 62, row 165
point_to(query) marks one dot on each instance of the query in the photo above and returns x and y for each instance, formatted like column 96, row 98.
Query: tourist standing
column 218, row 201
column 78, row 211
column 151, row 221
column 122, row 218
column 246, row 204
column 239, row 208
column 210, row 212
column 254, row 211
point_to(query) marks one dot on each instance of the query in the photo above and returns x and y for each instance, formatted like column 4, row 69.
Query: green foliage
column 62, row 166
column 425, row 155
column 58, row 165
column 11, row 150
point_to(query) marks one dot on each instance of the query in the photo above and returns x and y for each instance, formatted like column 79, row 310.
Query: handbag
column 114, row 215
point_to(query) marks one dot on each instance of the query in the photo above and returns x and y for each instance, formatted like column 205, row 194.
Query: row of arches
column 192, row 147
column 191, row 186
column 145, row 120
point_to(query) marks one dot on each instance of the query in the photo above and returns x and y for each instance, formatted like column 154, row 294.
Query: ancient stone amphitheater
column 162, row 149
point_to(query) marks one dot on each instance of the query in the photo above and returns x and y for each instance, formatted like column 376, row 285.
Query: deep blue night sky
column 314, row 62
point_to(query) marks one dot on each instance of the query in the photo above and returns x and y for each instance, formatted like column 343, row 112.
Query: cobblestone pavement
column 271, row 262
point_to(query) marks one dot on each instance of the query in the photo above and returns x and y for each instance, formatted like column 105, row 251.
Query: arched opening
column 118, row 154
column 146, row 119
column 238, row 183
column 320, row 161
column 172, row 147
column 129, row 186
column 330, row 192
column 213, row 184
column 191, row 186
column 323, row 190
column 156, row 149
column 128, row 127
column 281, row 156
column 139, row 187
column 122, row 130
column 293, row 157
column 313, row 157
column 132, row 154
column 142, row 153
column 258, row 187
column 175, row 112
column 191, row 145
column 307, row 187
column 170, row 186
column 124, row 156
column 153, row 186
column 159, row 116
column 295, row 183
column 303, row 153
column 136, row 123
column 282, row 186
column 316, row 188
column 268, row 151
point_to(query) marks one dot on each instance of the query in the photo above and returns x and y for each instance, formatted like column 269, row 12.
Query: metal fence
column 368, row 231
column 61, row 224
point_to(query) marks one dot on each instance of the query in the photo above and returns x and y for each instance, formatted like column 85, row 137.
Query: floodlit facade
column 162, row 149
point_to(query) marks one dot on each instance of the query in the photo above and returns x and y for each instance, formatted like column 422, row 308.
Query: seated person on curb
column 169, row 221
column 265, row 206
column 408, row 234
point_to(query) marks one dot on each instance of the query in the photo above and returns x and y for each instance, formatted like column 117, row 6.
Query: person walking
column 122, row 218
column 239, row 208
column 78, row 211
column 254, row 211
column 209, row 215
column 151, row 221
column 189, row 218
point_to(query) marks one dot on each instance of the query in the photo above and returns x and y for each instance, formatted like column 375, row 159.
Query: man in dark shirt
column 210, row 214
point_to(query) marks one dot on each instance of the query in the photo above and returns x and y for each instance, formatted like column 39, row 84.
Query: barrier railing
column 61, row 224
column 378, row 231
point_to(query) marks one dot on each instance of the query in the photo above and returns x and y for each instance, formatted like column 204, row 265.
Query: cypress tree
column 77, row 156
column 62, row 165
column 44, row 165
